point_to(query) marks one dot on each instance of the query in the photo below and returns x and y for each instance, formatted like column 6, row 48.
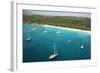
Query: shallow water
column 42, row 44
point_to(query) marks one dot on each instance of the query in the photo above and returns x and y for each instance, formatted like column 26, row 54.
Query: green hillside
column 63, row 21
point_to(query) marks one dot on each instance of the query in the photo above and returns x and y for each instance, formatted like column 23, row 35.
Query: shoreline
column 66, row 28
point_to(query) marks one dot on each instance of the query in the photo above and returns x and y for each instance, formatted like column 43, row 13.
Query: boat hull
column 53, row 56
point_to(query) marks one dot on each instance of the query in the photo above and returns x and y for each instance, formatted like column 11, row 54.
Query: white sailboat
column 82, row 46
column 58, row 32
column 34, row 29
column 81, row 43
column 29, row 38
column 55, row 54
column 68, row 41
column 44, row 31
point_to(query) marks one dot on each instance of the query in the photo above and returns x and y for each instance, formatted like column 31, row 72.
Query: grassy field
column 63, row 21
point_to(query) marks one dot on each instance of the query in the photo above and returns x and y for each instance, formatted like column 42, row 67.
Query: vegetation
column 63, row 21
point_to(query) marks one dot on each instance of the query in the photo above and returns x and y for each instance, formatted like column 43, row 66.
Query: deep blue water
column 42, row 44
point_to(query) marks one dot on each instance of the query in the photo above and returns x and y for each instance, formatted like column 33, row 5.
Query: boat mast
column 54, row 47
column 81, row 40
column 29, row 35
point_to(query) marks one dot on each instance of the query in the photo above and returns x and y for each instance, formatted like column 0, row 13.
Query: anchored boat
column 29, row 38
column 55, row 53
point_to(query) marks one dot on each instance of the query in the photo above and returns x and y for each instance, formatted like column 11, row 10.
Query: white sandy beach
column 68, row 28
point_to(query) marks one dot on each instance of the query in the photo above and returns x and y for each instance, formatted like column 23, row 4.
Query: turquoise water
column 42, row 44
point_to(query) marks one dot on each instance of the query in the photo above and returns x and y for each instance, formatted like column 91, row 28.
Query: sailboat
column 68, row 41
column 82, row 46
column 82, row 43
column 29, row 38
column 44, row 31
column 58, row 32
column 55, row 54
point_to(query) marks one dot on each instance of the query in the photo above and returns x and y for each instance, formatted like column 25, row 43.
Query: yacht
column 55, row 53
